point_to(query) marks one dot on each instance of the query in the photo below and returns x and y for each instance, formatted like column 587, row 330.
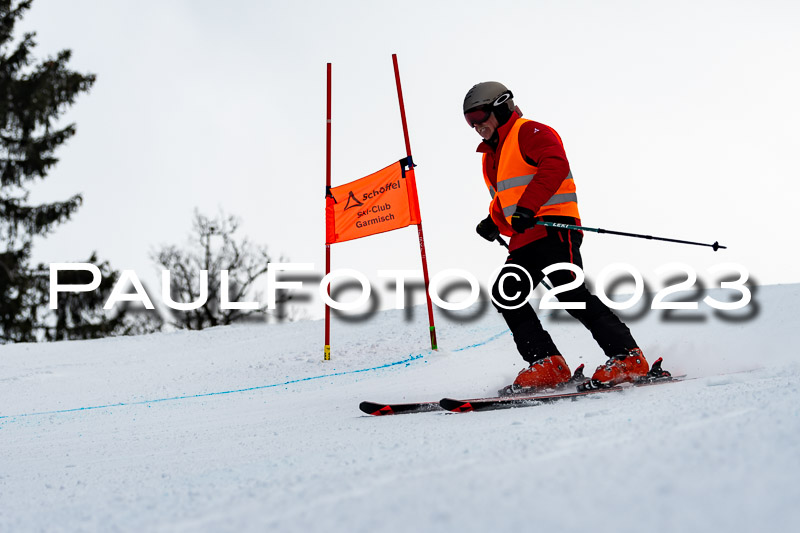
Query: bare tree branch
column 215, row 246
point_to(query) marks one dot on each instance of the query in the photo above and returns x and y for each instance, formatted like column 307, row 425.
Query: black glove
column 522, row 219
column 488, row 229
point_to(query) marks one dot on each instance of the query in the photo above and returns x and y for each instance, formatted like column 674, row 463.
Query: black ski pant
column 533, row 342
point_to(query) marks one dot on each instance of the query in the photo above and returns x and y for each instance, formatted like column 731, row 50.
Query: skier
column 528, row 175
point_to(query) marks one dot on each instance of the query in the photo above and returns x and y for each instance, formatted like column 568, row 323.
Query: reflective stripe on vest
column 555, row 199
column 514, row 174
column 522, row 181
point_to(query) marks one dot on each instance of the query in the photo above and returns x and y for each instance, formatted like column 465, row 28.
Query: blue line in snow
column 487, row 341
column 407, row 361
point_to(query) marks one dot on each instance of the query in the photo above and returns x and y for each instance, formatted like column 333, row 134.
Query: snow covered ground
column 246, row 429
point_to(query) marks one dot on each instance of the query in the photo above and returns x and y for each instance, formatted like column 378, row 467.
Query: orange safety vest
column 513, row 176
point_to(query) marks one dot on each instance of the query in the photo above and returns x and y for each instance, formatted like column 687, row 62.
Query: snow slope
column 246, row 429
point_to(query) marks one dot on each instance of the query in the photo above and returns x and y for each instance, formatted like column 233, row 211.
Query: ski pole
column 504, row 243
column 716, row 246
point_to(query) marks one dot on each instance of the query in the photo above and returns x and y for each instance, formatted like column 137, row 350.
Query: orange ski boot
column 547, row 373
column 620, row 369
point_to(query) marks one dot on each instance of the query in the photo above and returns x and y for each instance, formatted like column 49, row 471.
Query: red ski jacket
column 540, row 147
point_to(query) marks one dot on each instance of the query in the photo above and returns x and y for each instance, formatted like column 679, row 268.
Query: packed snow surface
column 247, row 429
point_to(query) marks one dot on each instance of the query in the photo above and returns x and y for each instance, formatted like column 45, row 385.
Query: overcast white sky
column 679, row 119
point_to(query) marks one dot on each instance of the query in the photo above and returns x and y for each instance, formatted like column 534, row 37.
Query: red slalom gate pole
column 327, row 350
column 434, row 345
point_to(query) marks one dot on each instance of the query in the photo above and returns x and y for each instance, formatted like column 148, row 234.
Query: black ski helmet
column 493, row 95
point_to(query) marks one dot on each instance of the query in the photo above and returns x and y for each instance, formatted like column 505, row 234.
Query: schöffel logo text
column 378, row 192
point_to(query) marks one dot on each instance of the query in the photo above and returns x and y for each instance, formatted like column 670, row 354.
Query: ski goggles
column 478, row 116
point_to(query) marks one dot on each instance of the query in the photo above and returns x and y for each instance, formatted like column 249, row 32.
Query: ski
column 506, row 402
column 654, row 377
column 381, row 409
column 514, row 397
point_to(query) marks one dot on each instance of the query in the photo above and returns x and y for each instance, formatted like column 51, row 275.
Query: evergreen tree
column 33, row 94
column 80, row 315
